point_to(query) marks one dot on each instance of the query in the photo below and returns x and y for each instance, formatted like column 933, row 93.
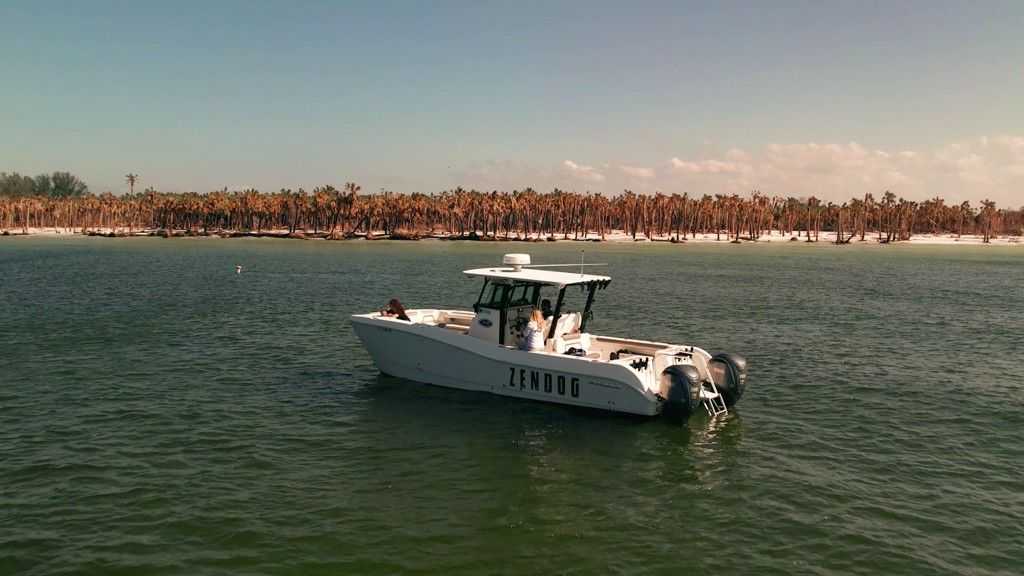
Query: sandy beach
column 774, row 237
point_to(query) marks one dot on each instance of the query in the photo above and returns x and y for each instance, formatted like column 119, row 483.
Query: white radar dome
column 516, row 261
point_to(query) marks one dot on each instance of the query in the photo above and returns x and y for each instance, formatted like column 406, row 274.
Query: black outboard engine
column 680, row 387
column 729, row 372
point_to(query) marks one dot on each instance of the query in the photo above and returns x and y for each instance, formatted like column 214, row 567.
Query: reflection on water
column 714, row 444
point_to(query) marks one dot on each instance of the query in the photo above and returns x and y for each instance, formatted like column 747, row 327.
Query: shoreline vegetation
column 60, row 204
column 615, row 236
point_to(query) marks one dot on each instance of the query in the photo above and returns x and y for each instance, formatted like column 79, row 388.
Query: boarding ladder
column 712, row 399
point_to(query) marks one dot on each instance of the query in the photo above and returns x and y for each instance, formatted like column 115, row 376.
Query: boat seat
column 567, row 324
column 463, row 319
column 577, row 340
column 421, row 316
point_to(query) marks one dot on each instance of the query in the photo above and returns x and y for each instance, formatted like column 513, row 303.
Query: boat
column 479, row 349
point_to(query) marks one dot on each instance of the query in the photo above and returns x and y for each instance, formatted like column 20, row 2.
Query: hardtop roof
column 537, row 276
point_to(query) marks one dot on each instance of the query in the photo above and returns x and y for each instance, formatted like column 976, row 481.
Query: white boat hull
column 435, row 355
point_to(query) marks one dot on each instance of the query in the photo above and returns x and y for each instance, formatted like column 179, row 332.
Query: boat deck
column 648, row 358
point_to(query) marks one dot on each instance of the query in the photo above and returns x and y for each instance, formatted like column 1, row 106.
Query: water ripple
column 160, row 414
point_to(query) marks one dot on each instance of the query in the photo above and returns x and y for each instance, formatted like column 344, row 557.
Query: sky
column 828, row 98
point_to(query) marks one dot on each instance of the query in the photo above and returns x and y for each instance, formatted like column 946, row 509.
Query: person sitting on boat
column 533, row 338
column 395, row 309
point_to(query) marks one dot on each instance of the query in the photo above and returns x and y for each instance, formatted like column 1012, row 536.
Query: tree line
column 55, row 185
column 57, row 201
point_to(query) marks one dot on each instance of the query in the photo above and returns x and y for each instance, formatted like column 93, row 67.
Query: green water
column 160, row 414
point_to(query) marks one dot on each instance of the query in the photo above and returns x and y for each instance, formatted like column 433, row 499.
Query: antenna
column 563, row 265
column 520, row 261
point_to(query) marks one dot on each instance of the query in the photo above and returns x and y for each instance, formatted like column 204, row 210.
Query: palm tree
column 888, row 203
column 965, row 212
column 131, row 179
column 988, row 214
column 494, row 215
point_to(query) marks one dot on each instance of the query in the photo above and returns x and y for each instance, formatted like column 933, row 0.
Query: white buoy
column 238, row 268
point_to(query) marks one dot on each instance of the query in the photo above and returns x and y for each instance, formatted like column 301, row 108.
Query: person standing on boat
column 395, row 309
column 545, row 308
column 533, row 339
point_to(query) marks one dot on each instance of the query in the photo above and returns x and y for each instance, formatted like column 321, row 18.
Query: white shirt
column 534, row 336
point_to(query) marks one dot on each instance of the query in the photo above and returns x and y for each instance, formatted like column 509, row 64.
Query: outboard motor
column 729, row 371
column 680, row 387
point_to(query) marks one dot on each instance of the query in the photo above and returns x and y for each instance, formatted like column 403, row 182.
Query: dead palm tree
column 522, row 214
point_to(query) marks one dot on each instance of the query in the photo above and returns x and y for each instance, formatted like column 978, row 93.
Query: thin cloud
column 984, row 167
column 638, row 172
column 974, row 169
column 583, row 172
column 707, row 166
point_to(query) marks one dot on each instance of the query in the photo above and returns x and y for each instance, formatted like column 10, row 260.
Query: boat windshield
column 491, row 296
column 499, row 295
column 523, row 294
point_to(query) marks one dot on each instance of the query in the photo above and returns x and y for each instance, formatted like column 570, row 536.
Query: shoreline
column 616, row 236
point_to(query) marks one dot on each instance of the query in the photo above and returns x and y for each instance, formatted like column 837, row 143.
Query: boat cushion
column 567, row 324
column 578, row 341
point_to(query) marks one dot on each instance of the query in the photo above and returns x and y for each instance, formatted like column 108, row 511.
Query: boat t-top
column 480, row 350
